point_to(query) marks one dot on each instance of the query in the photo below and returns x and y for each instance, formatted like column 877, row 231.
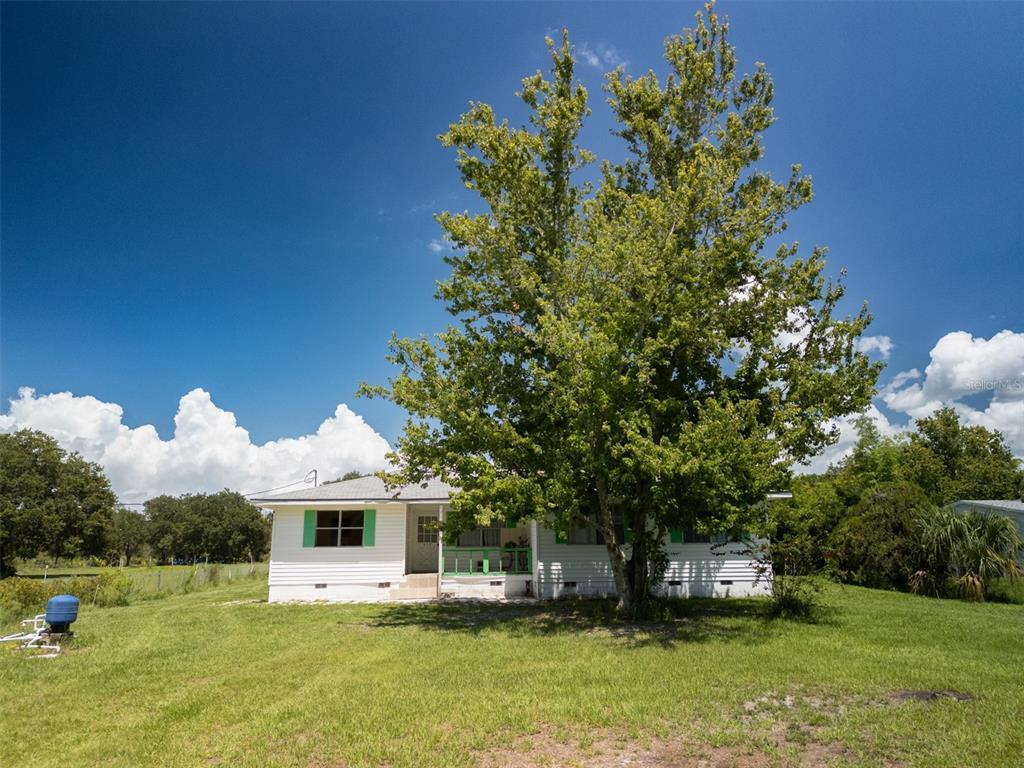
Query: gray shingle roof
column 370, row 488
column 1009, row 505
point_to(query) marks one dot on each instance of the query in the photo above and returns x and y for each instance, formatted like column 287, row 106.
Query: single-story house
column 358, row 540
column 1008, row 508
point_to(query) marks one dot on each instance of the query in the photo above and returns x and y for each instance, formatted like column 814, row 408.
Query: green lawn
column 219, row 677
column 148, row 579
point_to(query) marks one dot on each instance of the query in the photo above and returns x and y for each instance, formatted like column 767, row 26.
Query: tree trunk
column 623, row 584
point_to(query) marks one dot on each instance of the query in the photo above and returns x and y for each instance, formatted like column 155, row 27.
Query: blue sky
column 239, row 197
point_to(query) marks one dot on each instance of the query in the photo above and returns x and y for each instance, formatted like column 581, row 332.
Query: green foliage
column 875, row 459
column 23, row 597
column 127, row 535
column 878, row 543
column 795, row 596
column 872, row 518
column 352, row 474
column 799, row 527
column 50, row 500
column 29, row 596
column 619, row 350
column 952, row 462
column 221, row 527
column 966, row 552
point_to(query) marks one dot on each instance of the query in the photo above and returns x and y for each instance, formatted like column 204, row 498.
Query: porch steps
column 415, row 586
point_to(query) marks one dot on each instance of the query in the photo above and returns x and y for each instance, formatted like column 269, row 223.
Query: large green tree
column 951, row 461
column 223, row 527
column 50, row 500
column 126, row 536
column 635, row 349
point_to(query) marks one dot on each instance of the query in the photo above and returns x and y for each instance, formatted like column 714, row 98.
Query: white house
column 355, row 540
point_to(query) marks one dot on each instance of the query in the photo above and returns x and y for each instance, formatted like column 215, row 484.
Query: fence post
column 157, row 579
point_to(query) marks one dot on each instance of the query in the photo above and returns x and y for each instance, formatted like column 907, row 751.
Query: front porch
column 509, row 560
column 486, row 572
column 493, row 561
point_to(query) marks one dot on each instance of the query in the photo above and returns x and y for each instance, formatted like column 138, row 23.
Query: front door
column 424, row 542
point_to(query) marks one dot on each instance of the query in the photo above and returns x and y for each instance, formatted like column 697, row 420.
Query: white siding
column 700, row 570
column 349, row 573
column 356, row 573
column 484, row 587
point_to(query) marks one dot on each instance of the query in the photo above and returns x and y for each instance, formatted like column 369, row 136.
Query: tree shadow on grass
column 667, row 623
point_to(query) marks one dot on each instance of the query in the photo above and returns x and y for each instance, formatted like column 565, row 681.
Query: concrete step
column 415, row 586
column 419, row 580
column 413, row 593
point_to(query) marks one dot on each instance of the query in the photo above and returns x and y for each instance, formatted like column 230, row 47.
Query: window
column 336, row 528
column 485, row 536
column 588, row 534
column 426, row 529
column 692, row 537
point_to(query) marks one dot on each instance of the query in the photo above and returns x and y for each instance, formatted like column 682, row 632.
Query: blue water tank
column 61, row 610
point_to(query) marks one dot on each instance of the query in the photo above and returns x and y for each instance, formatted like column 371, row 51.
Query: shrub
column 964, row 553
column 794, row 597
column 878, row 545
column 20, row 598
column 799, row 527
column 23, row 596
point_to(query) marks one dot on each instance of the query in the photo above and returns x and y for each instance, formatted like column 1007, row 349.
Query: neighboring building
column 1011, row 509
column 355, row 540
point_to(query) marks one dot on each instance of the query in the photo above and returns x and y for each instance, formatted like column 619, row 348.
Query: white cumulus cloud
column 436, row 246
column 847, row 439
column 600, row 55
column 208, row 452
column 881, row 344
column 962, row 367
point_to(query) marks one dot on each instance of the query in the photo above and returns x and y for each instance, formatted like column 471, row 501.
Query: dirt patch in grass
column 910, row 695
column 608, row 750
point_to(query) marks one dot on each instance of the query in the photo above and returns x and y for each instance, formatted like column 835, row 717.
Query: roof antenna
column 312, row 473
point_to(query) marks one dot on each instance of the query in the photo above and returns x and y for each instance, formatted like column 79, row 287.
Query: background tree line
column 879, row 519
column 58, row 505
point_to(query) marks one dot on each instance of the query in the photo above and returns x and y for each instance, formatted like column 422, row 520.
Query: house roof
column 1008, row 505
column 370, row 488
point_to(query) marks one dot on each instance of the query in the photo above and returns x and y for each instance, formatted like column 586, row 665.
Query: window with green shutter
column 675, row 535
column 337, row 527
column 369, row 527
column 309, row 528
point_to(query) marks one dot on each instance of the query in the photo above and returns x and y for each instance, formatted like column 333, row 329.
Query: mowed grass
column 219, row 677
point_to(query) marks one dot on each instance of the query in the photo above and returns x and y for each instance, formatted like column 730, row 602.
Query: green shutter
column 627, row 531
column 675, row 535
column 561, row 538
column 511, row 521
column 369, row 527
column 309, row 528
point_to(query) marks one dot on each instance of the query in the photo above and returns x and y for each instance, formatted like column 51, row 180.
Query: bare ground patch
column 609, row 750
column 786, row 730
